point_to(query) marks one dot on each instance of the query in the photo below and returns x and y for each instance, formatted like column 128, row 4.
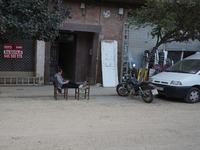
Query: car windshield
column 186, row 66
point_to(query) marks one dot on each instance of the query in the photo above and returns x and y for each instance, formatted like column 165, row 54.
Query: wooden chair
column 66, row 90
column 86, row 90
column 55, row 84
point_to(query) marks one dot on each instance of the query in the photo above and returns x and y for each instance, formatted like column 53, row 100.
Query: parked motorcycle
column 132, row 86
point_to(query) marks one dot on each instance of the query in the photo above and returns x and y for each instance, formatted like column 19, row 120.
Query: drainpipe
column 99, row 40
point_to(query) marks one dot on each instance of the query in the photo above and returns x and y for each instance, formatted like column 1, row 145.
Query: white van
column 182, row 80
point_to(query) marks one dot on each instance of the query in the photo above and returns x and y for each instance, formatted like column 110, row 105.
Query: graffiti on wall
column 106, row 14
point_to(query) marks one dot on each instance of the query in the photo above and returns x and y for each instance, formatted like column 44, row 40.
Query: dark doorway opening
column 73, row 52
column 67, row 55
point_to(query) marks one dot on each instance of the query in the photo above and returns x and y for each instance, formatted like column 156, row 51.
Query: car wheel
column 193, row 95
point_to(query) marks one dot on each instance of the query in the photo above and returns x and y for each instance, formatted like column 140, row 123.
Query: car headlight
column 176, row 83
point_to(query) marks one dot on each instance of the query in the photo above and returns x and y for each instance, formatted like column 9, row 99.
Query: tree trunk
column 148, row 59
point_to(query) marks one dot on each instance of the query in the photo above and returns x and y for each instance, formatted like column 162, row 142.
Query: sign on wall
column 13, row 51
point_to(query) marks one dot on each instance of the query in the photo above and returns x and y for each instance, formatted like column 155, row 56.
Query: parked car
column 182, row 80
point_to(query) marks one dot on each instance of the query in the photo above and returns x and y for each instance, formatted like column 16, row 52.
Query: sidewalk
column 47, row 91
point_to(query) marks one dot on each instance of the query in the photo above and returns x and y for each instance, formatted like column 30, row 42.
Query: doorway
column 67, row 55
column 63, row 54
column 75, row 54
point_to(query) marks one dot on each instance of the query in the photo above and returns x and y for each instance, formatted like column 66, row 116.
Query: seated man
column 65, row 83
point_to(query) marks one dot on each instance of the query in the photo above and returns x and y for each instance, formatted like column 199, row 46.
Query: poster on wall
column 13, row 51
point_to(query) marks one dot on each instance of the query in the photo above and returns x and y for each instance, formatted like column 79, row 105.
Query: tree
column 171, row 20
column 31, row 19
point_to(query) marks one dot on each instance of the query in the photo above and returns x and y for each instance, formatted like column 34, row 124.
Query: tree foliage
column 31, row 19
column 171, row 20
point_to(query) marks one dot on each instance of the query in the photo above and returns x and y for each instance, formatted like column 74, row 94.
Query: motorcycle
column 131, row 86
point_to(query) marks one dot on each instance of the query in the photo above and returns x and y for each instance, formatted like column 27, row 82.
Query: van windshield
column 191, row 66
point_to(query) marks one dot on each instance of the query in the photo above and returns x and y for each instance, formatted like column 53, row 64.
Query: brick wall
column 101, row 14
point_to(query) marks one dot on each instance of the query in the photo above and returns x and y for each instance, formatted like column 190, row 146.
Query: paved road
column 32, row 120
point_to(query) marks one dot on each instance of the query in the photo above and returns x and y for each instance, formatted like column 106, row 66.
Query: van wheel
column 193, row 95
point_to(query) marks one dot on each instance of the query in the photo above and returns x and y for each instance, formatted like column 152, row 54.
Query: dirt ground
column 32, row 120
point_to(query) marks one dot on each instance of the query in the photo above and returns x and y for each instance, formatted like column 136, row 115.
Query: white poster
column 109, row 63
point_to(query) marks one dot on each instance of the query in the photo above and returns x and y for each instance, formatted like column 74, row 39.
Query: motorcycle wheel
column 122, row 91
column 147, row 96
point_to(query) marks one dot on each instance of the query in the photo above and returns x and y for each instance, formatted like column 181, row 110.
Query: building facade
column 78, row 48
